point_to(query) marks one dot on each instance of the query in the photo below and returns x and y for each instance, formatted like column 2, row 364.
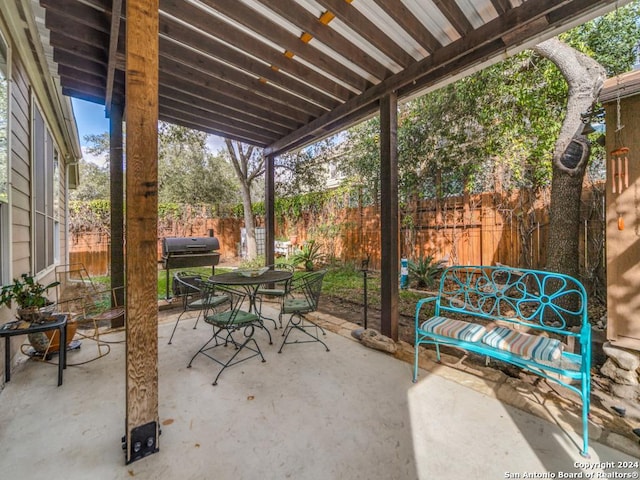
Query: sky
column 91, row 120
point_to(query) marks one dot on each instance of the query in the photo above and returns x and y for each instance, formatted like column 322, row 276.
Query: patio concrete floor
column 351, row 413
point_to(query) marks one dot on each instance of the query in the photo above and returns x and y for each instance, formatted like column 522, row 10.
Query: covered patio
column 351, row 413
column 279, row 75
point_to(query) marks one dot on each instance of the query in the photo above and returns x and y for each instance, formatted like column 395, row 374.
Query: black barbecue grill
column 186, row 252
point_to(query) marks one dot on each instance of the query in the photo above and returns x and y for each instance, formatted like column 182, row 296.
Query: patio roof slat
column 501, row 6
column 248, row 44
column 178, row 121
column 224, row 73
column 171, row 65
column 453, row 13
column 407, row 20
column 78, row 12
column 65, row 43
column 293, row 12
column 368, row 30
column 168, row 109
column 280, row 36
column 244, row 62
column 188, row 87
column 221, row 111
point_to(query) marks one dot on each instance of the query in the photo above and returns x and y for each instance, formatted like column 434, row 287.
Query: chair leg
column 175, row 326
column 299, row 325
column 248, row 332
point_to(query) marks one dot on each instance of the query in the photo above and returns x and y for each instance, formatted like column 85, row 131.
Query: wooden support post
column 117, row 210
column 141, row 235
column 389, row 216
column 269, row 205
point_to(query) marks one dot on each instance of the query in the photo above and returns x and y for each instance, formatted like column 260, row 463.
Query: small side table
column 12, row 329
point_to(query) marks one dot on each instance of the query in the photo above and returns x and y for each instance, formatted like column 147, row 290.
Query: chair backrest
column 312, row 288
column 287, row 267
column 74, row 282
column 187, row 286
column 80, row 296
column 235, row 297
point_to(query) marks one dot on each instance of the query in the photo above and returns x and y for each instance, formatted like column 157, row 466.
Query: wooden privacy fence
column 488, row 228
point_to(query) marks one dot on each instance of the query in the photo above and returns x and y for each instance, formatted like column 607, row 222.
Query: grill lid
column 187, row 245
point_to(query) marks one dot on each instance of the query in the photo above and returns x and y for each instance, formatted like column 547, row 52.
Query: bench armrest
column 422, row 301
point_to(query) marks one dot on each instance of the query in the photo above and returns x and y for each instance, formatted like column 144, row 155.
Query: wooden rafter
column 114, row 35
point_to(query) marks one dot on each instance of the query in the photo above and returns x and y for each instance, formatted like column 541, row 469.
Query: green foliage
column 497, row 126
column 188, row 172
column 424, row 272
column 94, row 182
column 26, row 292
column 92, row 215
column 309, row 255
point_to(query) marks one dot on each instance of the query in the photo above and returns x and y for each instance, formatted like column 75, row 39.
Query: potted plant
column 29, row 296
column 34, row 306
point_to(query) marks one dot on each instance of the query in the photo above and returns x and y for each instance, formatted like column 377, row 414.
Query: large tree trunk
column 249, row 224
column 241, row 161
column 585, row 77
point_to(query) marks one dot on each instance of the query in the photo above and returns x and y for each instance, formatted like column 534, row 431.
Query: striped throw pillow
column 523, row 344
column 448, row 327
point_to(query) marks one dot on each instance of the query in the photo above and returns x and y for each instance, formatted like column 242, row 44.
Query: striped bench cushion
column 448, row 327
column 523, row 344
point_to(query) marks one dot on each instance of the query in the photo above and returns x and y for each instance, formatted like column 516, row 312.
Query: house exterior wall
column 30, row 89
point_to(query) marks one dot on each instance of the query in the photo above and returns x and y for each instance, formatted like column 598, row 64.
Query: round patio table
column 251, row 284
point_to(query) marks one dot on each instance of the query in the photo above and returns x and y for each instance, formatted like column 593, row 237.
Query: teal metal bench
column 519, row 316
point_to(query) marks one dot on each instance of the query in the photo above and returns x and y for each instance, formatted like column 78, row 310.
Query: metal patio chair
column 188, row 286
column 305, row 292
column 88, row 304
column 279, row 290
column 227, row 327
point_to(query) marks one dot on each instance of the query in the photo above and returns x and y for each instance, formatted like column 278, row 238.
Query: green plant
column 425, row 272
column 309, row 254
column 26, row 292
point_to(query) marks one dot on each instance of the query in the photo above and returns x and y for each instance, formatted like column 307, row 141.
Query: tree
column 249, row 166
column 94, row 182
column 188, row 172
column 584, row 77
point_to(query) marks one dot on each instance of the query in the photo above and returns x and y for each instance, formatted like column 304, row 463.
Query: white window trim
column 35, row 104
column 6, row 234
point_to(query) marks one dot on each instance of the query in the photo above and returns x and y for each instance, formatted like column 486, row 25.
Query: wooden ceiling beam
column 258, row 50
column 88, row 97
column 81, row 32
column 221, row 110
column 79, row 63
column 217, row 121
column 360, row 24
column 243, row 14
column 61, row 41
column 116, row 10
column 170, row 65
column 167, row 110
column 225, row 73
column 198, row 40
column 186, row 124
column 501, row 6
column 87, row 78
column 456, row 17
column 77, row 12
column 303, row 18
column 407, row 20
column 187, row 85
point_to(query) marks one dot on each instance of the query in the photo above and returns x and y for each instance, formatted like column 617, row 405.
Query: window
column 46, row 178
